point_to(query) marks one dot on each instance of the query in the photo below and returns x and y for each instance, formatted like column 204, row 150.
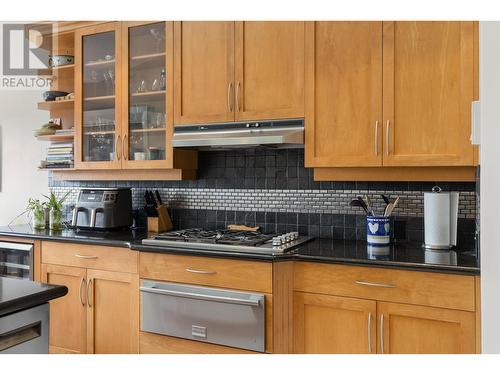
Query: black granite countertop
column 119, row 238
column 399, row 255
column 17, row 294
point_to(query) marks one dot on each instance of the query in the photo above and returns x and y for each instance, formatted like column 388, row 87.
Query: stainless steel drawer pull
column 387, row 139
column 89, row 285
column 204, row 297
column 86, row 256
column 376, row 138
column 80, row 293
column 229, row 96
column 369, row 332
column 382, row 333
column 375, row 284
column 203, row 272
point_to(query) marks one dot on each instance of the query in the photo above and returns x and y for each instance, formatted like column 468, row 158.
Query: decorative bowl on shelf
column 61, row 60
column 50, row 96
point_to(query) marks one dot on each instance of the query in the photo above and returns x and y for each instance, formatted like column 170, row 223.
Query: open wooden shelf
column 56, row 104
column 55, row 70
column 123, row 174
column 57, row 169
column 56, row 137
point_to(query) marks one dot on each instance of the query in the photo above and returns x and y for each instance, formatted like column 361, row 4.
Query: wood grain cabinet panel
column 203, row 72
column 409, row 329
column 67, row 329
column 428, row 90
column 330, row 324
column 269, row 70
column 113, row 313
column 343, row 94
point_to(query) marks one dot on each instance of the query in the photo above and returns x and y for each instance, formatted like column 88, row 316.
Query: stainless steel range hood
column 279, row 133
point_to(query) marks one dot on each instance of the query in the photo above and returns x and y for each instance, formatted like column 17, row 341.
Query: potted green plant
column 37, row 209
column 55, row 205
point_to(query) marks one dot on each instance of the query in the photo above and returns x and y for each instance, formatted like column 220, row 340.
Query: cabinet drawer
column 413, row 287
column 224, row 273
column 89, row 256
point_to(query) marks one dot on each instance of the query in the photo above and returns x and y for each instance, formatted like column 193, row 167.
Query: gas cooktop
column 228, row 240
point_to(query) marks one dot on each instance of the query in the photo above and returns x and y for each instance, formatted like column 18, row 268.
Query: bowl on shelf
column 61, row 60
column 50, row 96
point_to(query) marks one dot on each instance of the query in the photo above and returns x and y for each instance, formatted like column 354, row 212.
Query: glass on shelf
column 147, row 85
column 99, row 121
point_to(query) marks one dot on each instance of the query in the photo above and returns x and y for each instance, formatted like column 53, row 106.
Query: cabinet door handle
column 117, row 148
column 82, row 282
column 124, row 147
column 203, row 272
column 89, row 284
column 229, row 90
column 86, row 256
column 367, row 283
column 369, row 332
column 238, row 96
column 376, row 138
column 382, row 333
column 387, row 140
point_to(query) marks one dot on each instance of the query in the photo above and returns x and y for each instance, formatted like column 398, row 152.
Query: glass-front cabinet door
column 146, row 68
column 99, row 143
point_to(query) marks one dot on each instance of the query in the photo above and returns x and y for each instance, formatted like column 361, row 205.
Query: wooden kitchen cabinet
column 100, row 314
column 411, row 312
column 203, row 72
column 68, row 315
column 330, row 324
column 227, row 71
column 410, row 329
column 98, row 97
column 343, row 94
column 113, row 312
column 269, row 70
column 391, row 94
column 428, row 90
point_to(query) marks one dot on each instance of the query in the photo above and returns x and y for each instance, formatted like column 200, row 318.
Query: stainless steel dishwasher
column 218, row 316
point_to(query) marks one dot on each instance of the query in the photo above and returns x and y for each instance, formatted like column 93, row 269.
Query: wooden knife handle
column 242, row 227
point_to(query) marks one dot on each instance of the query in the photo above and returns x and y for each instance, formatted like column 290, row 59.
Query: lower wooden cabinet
column 410, row 329
column 100, row 313
column 68, row 315
column 113, row 312
column 330, row 324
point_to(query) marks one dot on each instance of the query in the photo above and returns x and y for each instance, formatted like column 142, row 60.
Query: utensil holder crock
column 378, row 230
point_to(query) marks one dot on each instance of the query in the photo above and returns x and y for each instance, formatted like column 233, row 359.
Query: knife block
column 162, row 223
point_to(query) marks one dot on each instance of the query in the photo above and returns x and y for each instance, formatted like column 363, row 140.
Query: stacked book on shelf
column 68, row 132
column 59, row 155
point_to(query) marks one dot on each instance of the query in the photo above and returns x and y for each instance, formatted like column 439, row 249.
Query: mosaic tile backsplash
column 272, row 189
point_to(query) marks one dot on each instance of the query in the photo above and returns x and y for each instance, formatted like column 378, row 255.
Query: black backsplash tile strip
column 264, row 169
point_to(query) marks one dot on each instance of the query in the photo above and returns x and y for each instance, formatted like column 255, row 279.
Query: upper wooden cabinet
column 269, row 70
column 389, row 94
column 124, row 100
column 343, row 94
column 203, row 72
column 428, row 90
column 227, row 71
column 98, row 82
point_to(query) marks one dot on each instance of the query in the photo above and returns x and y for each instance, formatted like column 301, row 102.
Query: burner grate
column 226, row 237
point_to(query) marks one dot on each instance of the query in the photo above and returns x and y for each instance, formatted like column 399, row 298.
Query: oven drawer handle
column 204, row 297
column 367, row 283
column 86, row 256
column 203, row 272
